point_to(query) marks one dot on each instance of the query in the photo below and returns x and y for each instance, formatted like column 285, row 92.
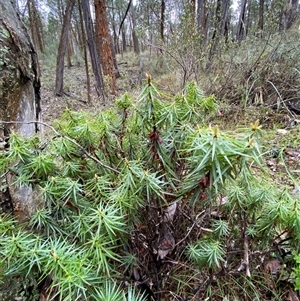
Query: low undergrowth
column 260, row 71
column 147, row 201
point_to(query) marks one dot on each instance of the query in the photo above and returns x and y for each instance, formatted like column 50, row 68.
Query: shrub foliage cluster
column 146, row 201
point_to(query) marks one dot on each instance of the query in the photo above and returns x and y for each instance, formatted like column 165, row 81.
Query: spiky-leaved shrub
column 145, row 194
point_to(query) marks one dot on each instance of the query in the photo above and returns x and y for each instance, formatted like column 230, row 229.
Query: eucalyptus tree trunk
column 122, row 28
column 124, row 40
column 260, row 23
column 136, row 46
column 88, row 81
column 70, row 50
column 215, row 39
column 225, row 18
column 291, row 14
column 113, row 52
column 95, row 59
column 193, row 12
column 35, row 25
column 217, row 22
column 113, row 21
column 19, row 102
column 104, row 43
column 202, row 19
column 241, row 29
column 115, row 37
column 249, row 18
column 162, row 20
column 62, row 48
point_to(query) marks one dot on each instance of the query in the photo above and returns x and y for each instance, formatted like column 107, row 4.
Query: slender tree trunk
column 260, row 23
column 124, row 41
column 162, row 20
column 217, row 18
column 115, row 40
column 63, row 42
column 193, row 12
column 202, row 19
column 70, row 51
column 241, row 24
column 122, row 27
column 136, row 46
column 75, row 42
column 225, row 18
column 81, row 41
column 290, row 14
column 114, row 30
column 217, row 29
column 103, row 42
column 60, row 8
column 88, row 82
column 150, row 38
column 248, row 17
column 35, row 25
column 40, row 35
column 31, row 23
column 113, row 52
column 95, row 60
column 162, row 30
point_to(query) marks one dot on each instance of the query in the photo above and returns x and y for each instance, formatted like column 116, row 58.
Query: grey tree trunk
column 88, row 81
column 260, row 23
column 19, row 101
column 162, row 20
column 62, row 48
column 124, row 42
column 225, row 18
column 95, row 59
column 291, row 14
column 241, row 29
column 202, row 18
column 136, row 45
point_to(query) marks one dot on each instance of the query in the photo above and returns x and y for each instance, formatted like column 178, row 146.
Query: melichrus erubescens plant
column 146, row 201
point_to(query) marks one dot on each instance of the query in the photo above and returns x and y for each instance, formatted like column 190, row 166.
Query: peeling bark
column 104, row 43
column 19, row 100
